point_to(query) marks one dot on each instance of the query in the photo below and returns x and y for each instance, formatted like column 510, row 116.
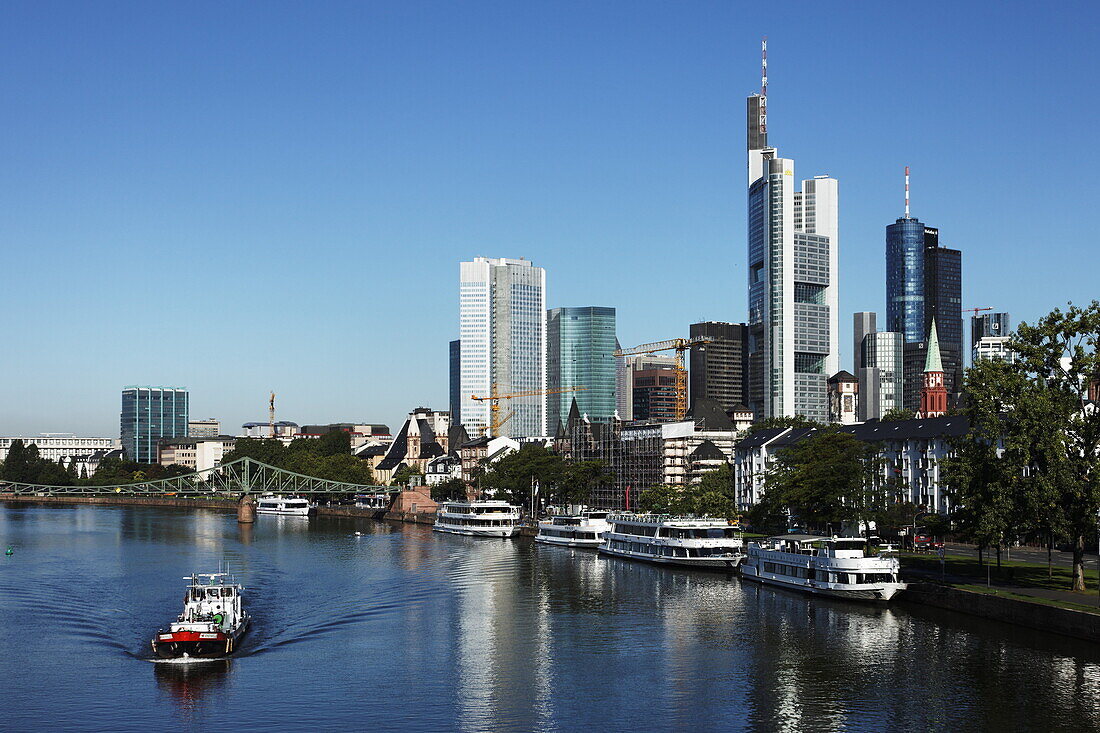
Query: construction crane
column 975, row 311
column 679, row 346
column 494, row 398
column 271, row 415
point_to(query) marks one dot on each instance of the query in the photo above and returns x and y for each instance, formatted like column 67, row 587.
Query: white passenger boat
column 212, row 622
column 375, row 502
column 292, row 505
column 478, row 518
column 576, row 530
column 833, row 566
column 700, row 542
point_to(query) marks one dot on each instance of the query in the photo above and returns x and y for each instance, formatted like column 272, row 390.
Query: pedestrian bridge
column 234, row 479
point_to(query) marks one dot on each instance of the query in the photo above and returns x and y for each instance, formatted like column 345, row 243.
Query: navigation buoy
column 11, row 551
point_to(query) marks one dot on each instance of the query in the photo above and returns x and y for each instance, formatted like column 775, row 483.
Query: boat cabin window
column 227, row 592
column 211, row 592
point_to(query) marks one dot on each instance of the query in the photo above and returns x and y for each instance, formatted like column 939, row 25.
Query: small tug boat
column 212, row 622
column 292, row 505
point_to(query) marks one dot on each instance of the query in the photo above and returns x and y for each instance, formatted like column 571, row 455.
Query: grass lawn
column 1014, row 571
column 1001, row 593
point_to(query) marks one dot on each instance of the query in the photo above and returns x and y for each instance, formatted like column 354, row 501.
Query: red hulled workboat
column 212, row 623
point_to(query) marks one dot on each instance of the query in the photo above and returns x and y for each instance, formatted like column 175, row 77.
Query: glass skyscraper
column 455, row 381
column 150, row 414
column 924, row 283
column 580, row 352
column 502, row 327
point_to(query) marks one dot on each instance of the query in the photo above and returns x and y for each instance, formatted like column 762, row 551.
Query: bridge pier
column 246, row 510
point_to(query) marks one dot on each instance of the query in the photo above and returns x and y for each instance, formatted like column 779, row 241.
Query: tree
column 577, row 482
column 453, row 489
column 896, row 414
column 662, row 499
column 824, row 479
column 788, row 421
column 334, row 443
column 17, row 466
column 511, row 477
column 402, row 475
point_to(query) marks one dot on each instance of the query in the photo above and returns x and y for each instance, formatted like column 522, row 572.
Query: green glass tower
column 580, row 352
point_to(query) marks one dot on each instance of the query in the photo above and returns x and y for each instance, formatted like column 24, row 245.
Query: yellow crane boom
column 494, row 398
column 679, row 346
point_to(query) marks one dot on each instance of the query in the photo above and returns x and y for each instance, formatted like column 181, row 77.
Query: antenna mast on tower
column 906, row 192
column 764, row 86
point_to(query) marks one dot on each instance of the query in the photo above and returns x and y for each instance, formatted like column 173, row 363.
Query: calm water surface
column 401, row 628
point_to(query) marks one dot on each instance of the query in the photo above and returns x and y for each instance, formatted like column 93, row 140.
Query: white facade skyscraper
column 793, row 296
column 502, row 327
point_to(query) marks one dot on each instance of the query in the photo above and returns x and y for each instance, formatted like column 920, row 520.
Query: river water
column 402, row 628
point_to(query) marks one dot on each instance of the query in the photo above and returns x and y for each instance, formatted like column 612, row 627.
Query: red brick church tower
column 933, row 395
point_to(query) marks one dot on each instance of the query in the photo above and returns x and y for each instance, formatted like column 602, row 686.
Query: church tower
column 933, row 395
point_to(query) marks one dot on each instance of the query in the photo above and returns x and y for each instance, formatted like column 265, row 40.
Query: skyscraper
column 718, row 367
column 150, row 414
column 792, row 246
column 863, row 323
column 502, row 327
column 882, row 357
column 924, row 282
column 989, row 337
column 455, row 381
column 580, row 352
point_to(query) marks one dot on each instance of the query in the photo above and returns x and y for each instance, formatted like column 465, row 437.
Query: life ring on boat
column 218, row 618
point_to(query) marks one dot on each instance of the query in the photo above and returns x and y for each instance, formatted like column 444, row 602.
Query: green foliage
column 577, row 481
column 116, row 471
column 824, row 480
column 511, row 476
column 453, row 489
column 897, row 414
column 24, row 465
column 402, row 475
column 328, row 457
column 713, row 496
column 790, row 421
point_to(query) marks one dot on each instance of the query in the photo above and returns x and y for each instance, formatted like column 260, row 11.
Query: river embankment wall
column 226, row 505
column 1064, row 621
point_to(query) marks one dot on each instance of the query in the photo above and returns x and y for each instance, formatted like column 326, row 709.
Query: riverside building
column 792, row 271
column 580, row 353
column 502, row 327
column 149, row 415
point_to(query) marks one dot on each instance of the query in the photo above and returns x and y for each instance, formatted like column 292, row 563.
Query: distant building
column 197, row 454
column 625, row 368
column 283, row 429
column 843, row 398
column 719, row 367
column 863, row 323
column 990, row 335
column 580, row 352
column 360, row 433
column 502, row 327
column 66, row 449
column 994, row 348
column 655, row 395
column 881, row 374
column 424, row 436
column 208, row 428
column 455, row 381
column 149, row 415
column 481, row 452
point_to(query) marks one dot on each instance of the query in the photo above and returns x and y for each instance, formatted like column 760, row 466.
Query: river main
column 402, row 628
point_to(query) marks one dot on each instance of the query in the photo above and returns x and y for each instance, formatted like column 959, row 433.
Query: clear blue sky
column 237, row 197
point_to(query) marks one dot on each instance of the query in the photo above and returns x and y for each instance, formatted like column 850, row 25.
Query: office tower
column 718, row 367
column 580, row 352
column 882, row 359
column 628, row 367
column 655, row 394
column 792, row 270
column 924, row 283
column 502, row 327
column 455, row 380
column 624, row 386
column 863, row 323
column 990, row 335
column 150, row 414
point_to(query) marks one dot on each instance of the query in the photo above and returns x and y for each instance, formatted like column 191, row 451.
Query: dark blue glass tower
column 905, row 279
column 455, row 382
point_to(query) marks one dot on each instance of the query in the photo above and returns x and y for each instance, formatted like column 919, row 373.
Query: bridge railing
column 242, row 476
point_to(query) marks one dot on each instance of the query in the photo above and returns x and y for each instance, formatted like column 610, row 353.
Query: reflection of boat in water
column 478, row 518
column 832, row 566
column 579, row 530
column 699, row 542
column 212, row 622
column 187, row 683
column 289, row 505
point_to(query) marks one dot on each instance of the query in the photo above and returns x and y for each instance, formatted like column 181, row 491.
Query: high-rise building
column 655, row 395
column 882, row 357
column 150, row 414
column 863, row 323
column 719, row 366
column 989, row 336
column 502, row 327
column 624, row 386
column 455, row 381
column 924, row 283
column 792, row 269
column 580, row 352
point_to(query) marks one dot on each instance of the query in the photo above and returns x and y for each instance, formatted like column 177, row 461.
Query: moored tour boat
column 477, row 518
column 374, row 502
column 576, row 530
column 832, row 566
column 700, row 542
column 278, row 504
column 212, row 622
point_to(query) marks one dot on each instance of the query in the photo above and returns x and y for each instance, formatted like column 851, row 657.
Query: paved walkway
column 1065, row 596
column 1026, row 554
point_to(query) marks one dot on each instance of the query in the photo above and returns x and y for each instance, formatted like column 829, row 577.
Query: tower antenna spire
column 906, row 192
column 764, row 86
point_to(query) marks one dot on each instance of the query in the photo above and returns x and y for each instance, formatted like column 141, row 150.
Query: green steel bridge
column 234, row 479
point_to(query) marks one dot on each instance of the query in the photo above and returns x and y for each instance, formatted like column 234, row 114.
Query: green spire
column 933, row 363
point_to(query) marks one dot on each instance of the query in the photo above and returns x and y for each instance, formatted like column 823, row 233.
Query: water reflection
column 187, row 684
